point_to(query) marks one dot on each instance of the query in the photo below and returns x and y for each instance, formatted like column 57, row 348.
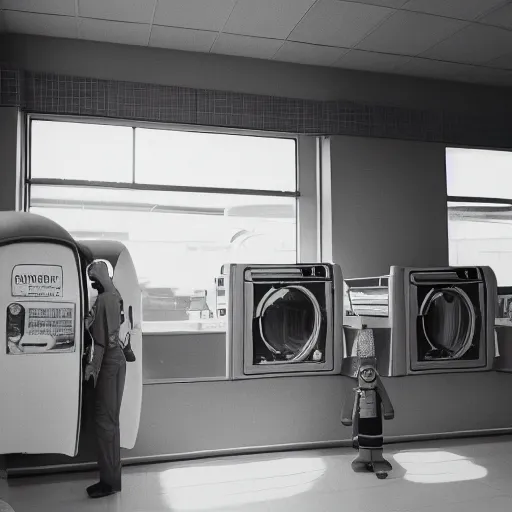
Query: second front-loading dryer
column 442, row 319
column 283, row 319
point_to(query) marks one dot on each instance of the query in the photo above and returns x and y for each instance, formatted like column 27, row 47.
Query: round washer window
column 289, row 320
column 448, row 320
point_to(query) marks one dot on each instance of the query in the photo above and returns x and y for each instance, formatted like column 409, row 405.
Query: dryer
column 442, row 319
column 283, row 319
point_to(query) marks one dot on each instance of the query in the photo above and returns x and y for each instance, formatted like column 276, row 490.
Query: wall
column 184, row 356
column 186, row 419
column 9, row 157
column 388, row 205
column 166, row 67
column 395, row 188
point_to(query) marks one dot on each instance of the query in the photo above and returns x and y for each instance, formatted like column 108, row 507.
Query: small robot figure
column 363, row 410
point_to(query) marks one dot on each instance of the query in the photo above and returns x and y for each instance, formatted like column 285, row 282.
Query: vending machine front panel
column 40, row 348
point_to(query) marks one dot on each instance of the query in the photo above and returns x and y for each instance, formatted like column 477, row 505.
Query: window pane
column 80, row 151
column 481, row 234
column 178, row 241
column 479, row 173
column 167, row 157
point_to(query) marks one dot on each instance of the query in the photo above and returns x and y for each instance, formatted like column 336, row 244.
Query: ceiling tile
column 267, row 18
column 410, row 33
column 337, row 23
column 182, row 39
column 114, row 31
column 302, row 53
column 371, row 61
column 395, row 4
column 139, row 11
column 461, row 9
column 500, row 17
column 40, row 24
column 199, row 14
column 64, row 7
column 475, row 44
column 246, row 46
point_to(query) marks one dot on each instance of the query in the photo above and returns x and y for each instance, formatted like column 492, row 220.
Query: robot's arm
column 347, row 412
column 387, row 406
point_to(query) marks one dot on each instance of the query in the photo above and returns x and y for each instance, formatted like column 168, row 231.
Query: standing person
column 107, row 366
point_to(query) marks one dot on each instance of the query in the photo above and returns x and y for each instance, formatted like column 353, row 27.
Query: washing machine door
column 448, row 321
column 289, row 320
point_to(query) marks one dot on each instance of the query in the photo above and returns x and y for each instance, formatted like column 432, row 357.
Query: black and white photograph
column 255, row 255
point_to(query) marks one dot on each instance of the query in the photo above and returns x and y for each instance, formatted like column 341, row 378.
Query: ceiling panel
column 40, row 24
column 246, row 46
column 461, row 9
column 267, row 18
column 64, row 7
column 140, row 11
column 337, row 23
column 302, row 53
column 114, row 31
column 395, row 4
column 475, row 44
column 500, row 17
column 410, row 33
column 182, row 39
column 199, row 14
column 371, row 61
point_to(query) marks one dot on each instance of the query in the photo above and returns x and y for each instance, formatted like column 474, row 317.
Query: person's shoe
column 100, row 490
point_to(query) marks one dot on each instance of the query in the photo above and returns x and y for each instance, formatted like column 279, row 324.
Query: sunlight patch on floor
column 241, row 484
column 433, row 467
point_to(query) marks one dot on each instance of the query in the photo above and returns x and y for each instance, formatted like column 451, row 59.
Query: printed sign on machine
column 36, row 281
column 37, row 327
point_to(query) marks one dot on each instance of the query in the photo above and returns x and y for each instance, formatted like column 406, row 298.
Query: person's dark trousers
column 108, row 397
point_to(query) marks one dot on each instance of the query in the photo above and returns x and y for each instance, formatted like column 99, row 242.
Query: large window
column 183, row 202
column 479, row 186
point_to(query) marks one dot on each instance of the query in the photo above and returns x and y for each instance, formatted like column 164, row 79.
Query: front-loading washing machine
column 442, row 319
column 284, row 319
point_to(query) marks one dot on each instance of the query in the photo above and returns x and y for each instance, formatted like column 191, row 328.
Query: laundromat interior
column 294, row 187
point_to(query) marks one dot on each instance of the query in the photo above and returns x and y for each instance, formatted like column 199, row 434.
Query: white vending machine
column 41, row 317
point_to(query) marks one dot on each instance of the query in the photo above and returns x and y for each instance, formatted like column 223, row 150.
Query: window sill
column 181, row 333
column 181, row 328
column 191, row 380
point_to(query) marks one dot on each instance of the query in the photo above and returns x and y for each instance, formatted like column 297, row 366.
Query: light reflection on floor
column 437, row 466
column 444, row 476
column 242, row 484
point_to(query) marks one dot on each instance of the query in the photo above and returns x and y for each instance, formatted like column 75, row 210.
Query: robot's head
column 367, row 373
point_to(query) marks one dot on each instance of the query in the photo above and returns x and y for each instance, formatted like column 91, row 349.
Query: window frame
column 306, row 191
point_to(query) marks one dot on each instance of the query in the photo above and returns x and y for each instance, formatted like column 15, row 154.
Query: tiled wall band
column 58, row 94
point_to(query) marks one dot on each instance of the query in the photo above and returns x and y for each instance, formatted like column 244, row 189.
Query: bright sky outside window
column 178, row 240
